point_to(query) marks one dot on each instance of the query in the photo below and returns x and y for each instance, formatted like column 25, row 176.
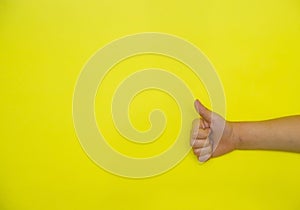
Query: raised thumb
column 202, row 111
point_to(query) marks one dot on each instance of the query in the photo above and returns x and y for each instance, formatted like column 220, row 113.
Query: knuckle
column 196, row 151
column 206, row 143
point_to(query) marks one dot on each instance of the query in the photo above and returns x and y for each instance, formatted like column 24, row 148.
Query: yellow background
column 254, row 46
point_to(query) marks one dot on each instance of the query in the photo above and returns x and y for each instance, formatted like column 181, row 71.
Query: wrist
column 235, row 135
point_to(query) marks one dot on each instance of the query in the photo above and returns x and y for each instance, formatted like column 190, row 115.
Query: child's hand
column 211, row 135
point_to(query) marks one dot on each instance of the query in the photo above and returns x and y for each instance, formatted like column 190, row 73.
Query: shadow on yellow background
column 254, row 46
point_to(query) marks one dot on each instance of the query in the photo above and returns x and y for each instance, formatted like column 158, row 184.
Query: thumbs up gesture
column 211, row 135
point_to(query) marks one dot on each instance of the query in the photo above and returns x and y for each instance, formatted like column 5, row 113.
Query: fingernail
column 196, row 104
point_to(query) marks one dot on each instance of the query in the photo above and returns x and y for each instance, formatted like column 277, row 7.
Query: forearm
column 279, row 134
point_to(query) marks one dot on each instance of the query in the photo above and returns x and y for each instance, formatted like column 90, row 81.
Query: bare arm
column 278, row 134
column 282, row 134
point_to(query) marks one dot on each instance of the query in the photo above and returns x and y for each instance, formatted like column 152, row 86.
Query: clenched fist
column 211, row 135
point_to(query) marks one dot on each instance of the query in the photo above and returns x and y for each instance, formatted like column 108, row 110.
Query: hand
column 211, row 135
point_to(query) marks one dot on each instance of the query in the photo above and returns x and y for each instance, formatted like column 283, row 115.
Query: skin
column 213, row 136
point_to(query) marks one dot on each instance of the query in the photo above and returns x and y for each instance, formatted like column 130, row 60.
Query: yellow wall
column 254, row 46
